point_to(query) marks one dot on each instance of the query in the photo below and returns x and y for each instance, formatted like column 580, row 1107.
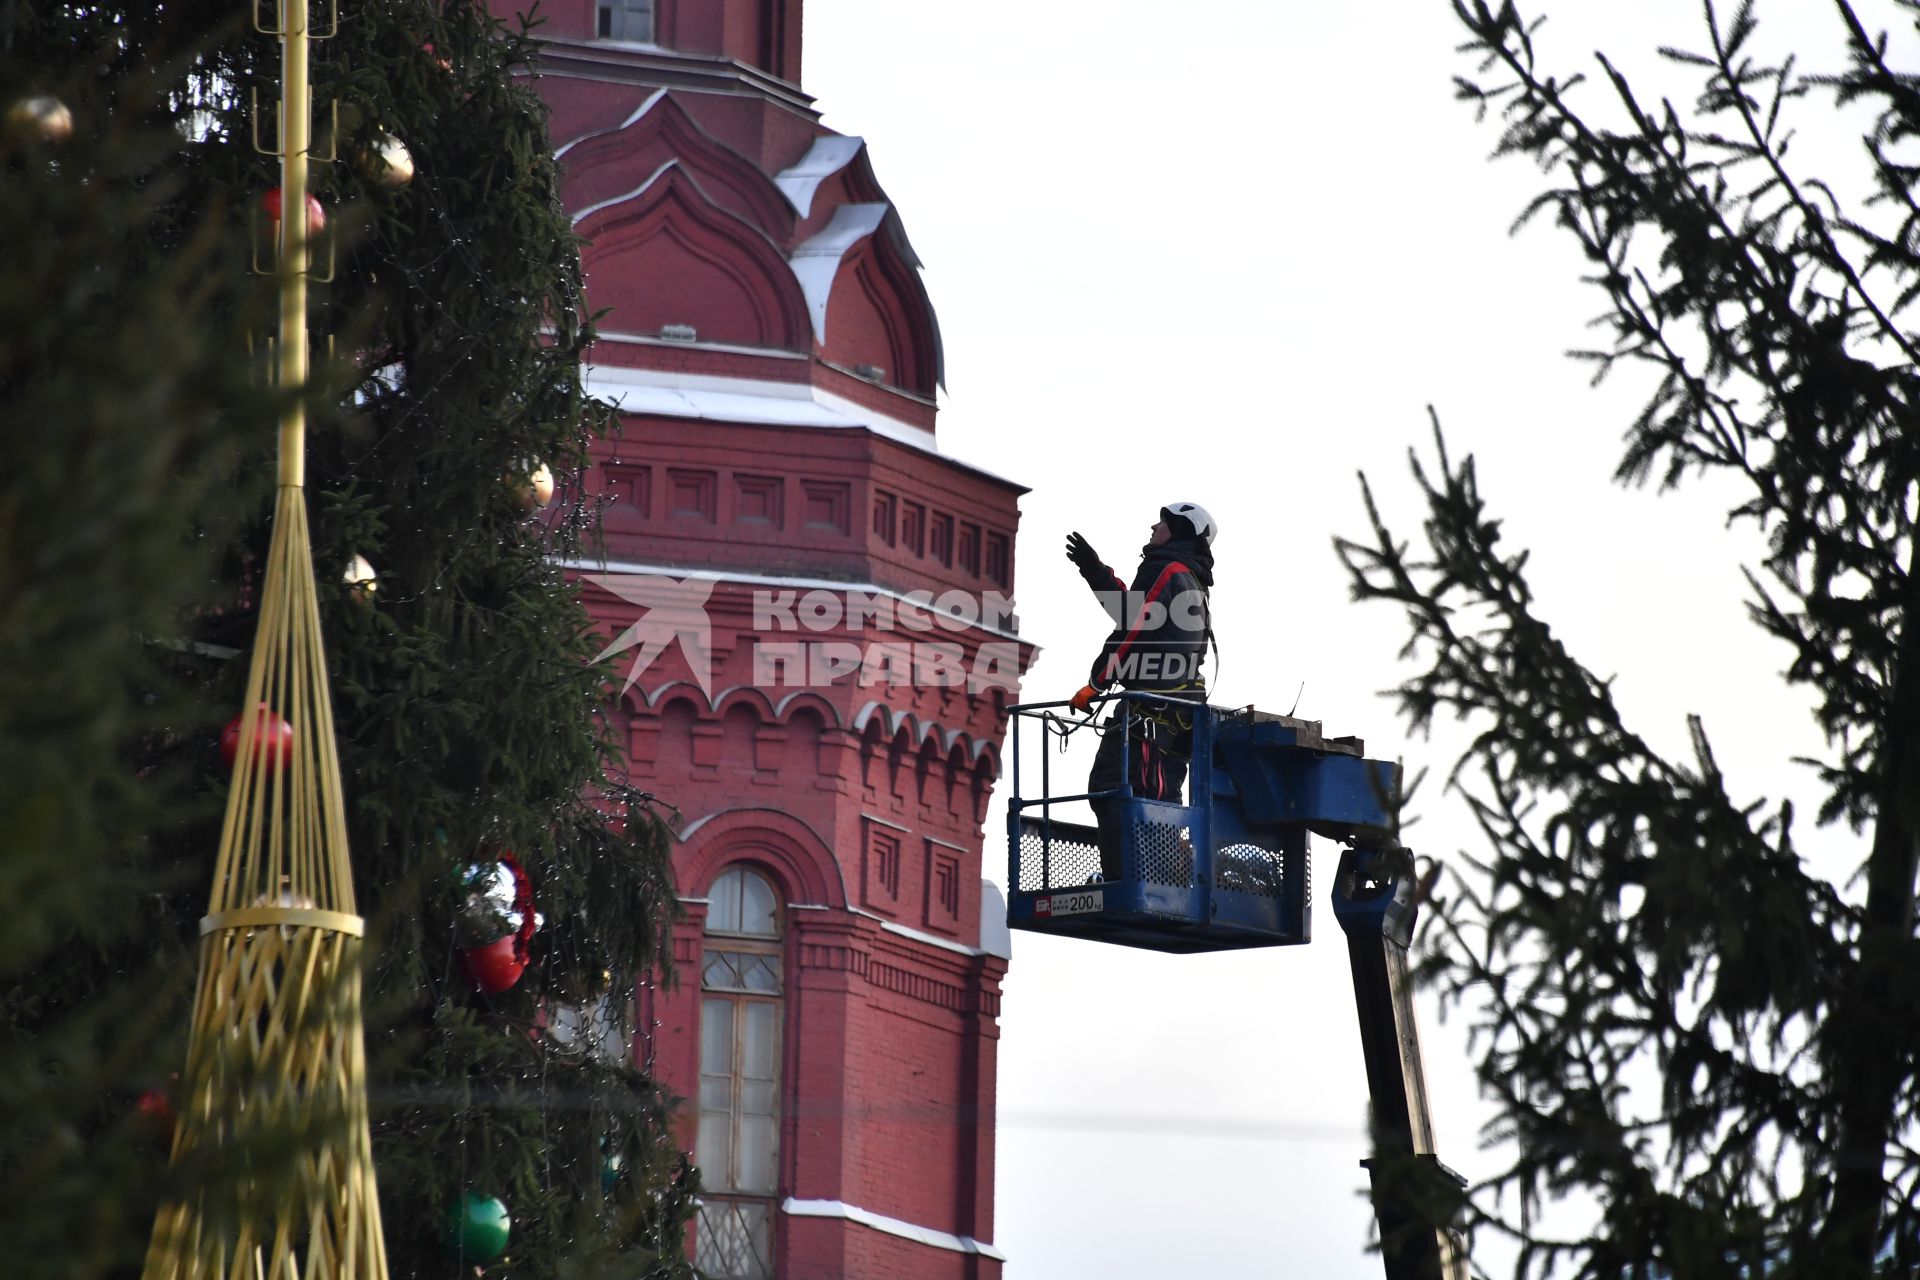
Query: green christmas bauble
column 478, row 1227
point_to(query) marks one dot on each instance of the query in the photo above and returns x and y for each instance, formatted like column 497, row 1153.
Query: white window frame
column 631, row 21
column 735, row 1221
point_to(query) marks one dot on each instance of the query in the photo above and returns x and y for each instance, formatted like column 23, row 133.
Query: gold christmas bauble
column 536, row 491
column 286, row 898
column 386, row 161
column 289, row 900
column 43, row 116
column 361, row 580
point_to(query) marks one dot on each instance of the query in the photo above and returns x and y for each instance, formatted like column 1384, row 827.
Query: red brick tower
column 812, row 598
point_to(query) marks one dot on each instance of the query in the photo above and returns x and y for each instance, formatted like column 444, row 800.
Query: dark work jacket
column 1162, row 621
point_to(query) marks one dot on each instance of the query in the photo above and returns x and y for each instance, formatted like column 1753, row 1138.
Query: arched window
column 740, row 1019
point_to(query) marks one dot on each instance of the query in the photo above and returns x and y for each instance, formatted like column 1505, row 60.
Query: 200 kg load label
column 1078, row 903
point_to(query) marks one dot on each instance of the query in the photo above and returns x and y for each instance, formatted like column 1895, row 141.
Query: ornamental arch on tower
column 722, row 277
column 801, row 864
column 599, row 167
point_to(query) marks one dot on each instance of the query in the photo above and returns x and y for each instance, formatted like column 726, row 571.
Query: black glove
column 1084, row 557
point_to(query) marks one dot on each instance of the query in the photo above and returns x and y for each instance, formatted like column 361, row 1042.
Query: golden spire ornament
column 273, row 1101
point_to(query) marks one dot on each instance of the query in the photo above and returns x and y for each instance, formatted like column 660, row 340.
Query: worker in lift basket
column 1162, row 627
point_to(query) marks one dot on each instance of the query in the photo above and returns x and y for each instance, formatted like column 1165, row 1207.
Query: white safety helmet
column 1196, row 515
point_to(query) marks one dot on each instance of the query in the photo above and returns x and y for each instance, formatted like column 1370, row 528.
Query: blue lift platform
column 1224, row 871
column 1227, row 870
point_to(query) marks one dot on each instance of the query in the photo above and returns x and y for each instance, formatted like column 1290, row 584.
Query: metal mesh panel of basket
column 1162, row 853
column 1252, row 868
column 1057, row 863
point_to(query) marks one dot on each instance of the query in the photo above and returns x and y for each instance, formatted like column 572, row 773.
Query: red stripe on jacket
column 1133, row 632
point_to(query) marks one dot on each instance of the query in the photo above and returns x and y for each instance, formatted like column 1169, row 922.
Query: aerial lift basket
column 1225, row 870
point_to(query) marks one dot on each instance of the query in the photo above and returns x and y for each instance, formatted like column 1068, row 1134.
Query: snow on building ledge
column 891, row 1226
column 817, row 262
column 827, row 156
column 756, row 402
column 995, row 938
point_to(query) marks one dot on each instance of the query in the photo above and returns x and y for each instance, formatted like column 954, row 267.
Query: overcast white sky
column 1227, row 252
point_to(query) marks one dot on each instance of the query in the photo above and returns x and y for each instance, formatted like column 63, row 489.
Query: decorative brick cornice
column 919, row 987
column 832, row 942
column 833, row 958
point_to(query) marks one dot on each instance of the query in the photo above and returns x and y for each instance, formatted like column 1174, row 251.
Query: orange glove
column 1083, row 700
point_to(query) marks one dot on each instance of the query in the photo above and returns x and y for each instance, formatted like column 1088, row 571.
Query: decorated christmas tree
column 139, row 442
column 511, row 891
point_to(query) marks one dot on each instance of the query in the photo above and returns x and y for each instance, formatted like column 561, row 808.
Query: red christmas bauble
column 156, row 1109
column 316, row 212
column 495, row 967
column 153, row 1110
column 274, row 739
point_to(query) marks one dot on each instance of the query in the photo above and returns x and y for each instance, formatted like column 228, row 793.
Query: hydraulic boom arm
column 1373, row 898
column 1228, row 870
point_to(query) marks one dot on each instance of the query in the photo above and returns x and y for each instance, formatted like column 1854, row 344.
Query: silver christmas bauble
column 43, row 116
column 385, row 161
column 361, row 580
column 486, row 911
